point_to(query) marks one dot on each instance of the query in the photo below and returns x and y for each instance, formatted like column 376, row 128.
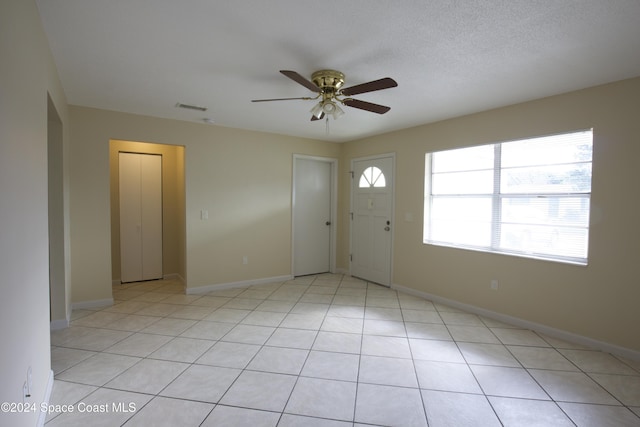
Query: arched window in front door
column 372, row 177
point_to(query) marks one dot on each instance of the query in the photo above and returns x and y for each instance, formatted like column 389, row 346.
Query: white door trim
column 334, row 207
column 393, row 206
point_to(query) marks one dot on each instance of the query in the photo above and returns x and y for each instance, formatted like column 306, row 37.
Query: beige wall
column 600, row 300
column 173, row 226
column 242, row 178
column 27, row 75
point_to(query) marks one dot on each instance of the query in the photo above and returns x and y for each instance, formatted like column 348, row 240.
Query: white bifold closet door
column 140, row 217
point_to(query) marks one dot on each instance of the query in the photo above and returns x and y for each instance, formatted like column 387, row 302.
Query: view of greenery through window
column 528, row 197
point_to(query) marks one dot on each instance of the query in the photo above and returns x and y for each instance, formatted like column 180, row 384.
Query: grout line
column 369, row 292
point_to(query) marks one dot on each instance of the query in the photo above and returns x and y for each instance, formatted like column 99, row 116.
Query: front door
column 312, row 216
column 371, row 228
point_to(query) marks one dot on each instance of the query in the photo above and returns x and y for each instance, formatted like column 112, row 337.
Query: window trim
column 496, row 203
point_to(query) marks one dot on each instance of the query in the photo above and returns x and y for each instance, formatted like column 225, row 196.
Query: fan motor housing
column 328, row 80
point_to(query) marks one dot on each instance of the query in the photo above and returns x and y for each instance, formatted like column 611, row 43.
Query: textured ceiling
column 449, row 57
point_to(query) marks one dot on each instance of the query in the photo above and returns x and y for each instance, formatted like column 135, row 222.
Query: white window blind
column 529, row 197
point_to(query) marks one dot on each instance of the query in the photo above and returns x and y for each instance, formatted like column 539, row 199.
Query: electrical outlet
column 27, row 386
column 494, row 285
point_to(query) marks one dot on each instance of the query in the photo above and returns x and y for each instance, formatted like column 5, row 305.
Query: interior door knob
column 327, row 223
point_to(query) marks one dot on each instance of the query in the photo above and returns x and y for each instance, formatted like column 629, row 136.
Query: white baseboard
column 59, row 324
column 92, row 304
column 525, row 324
column 241, row 284
column 46, row 399
column 62, row 323
column 170, row 276
column 173, row 276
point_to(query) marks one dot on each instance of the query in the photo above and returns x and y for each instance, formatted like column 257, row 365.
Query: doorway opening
column 173, row 202
column 59, row 285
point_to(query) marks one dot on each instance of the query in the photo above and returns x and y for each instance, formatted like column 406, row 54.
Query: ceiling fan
column 328, row 85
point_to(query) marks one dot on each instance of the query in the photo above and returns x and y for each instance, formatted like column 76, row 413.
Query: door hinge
column 351, row 172
column 350, row 257
column 351, row 213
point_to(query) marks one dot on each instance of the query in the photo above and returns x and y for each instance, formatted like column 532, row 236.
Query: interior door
column 140, row 185
column 311, row 216
column 372, row 209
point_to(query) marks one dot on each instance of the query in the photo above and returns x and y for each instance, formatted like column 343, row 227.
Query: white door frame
column 393, row 206
column 334, row 207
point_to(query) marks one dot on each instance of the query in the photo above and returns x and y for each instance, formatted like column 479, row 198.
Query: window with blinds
column 528, row 197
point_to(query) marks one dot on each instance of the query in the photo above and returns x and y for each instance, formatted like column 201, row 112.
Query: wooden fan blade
column 368, row 106
column 314, row 118
column 300, row 80
column 279, row 99
column 385, row 83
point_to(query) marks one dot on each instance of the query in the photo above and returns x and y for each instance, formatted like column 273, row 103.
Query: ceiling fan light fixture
column 328, row 85
column 328, row 107
column 317, row 110
column 337, row 112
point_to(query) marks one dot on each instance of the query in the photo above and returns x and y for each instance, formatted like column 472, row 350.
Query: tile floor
column 326, row 350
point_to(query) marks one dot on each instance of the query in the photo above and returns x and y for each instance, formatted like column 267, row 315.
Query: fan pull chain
column 327, row 125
